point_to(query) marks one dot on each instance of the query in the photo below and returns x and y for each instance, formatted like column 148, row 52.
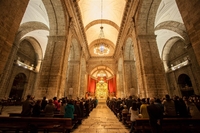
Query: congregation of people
column 155, row 109
column 64, row 106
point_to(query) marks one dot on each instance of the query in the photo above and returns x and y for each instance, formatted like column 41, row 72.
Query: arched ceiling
column 167, row 14
column 101, row 69
column 36, row 22
column 106, row 12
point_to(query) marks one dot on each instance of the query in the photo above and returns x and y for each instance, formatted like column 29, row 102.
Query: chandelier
column 100, row 48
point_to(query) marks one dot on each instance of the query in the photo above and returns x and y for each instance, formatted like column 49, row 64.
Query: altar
column 101, row 91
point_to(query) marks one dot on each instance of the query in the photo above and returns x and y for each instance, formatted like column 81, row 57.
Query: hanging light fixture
column 101, row 48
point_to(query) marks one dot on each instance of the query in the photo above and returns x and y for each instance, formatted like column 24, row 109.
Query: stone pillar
column 4, row 82
column 11, row 15
column 189, row 10
column 73, row 78
column 52, row 71
column 83, row 78
column 130, row 77
column 152, row 80
column 119, row 85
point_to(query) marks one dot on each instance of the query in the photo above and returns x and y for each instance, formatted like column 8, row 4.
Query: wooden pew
column 14, row 114
column 124, row 117
column 178, row 125
column 77, row 120
column 26, row 124
column 128, row 121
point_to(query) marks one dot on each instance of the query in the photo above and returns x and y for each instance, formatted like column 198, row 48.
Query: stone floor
column 101, row 120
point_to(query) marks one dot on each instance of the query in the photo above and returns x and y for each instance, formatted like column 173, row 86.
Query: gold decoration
column 101, row 90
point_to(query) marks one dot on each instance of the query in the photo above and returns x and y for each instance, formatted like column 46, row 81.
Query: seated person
column 49, row 109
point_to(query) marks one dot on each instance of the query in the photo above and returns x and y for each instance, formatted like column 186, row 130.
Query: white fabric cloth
column 134, row 114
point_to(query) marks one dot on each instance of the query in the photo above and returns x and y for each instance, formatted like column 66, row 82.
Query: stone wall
column 189, row 10
column 11, row 15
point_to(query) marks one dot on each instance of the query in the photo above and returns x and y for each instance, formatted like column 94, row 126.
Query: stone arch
column 146, row 17
column 105, row 82
column 98, row 68
column 26, row 53
column 28, row 27
column 18, row 86
column 38, row 50
column 166, row 50
column 174, row 26
column 185, row 85
column 51, row 83
column 103, row 21
column 55, row 12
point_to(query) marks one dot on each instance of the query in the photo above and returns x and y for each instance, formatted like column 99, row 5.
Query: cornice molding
column 129, row 12
column 75, row 14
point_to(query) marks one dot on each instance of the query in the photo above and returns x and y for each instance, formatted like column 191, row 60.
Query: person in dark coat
column 27, row 107
column 36, row 109
column 87, row 110
column 155, row 116
column 44, row 103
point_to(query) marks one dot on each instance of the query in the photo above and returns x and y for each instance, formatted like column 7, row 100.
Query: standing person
column 44, row 103
column 87, row 110
column 58, row 107
column 55, row 102
column 169, row 107
column 143, row 109
column 139, row 103
column 69, row 110
column 27, row 107
column 82, row 108
column 155, row 116
column 129, row 101
column 36, row 109
column 95, row 102
column 62, row 106
column 134, row 114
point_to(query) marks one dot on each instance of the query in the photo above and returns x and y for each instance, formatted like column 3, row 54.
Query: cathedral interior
column 99, row 48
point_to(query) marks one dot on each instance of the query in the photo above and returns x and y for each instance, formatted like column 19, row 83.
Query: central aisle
column 101, row 120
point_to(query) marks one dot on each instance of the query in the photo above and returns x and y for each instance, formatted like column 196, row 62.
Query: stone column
column 11, row 15
column 4, row 82
column 152, row 80
column 189, row 10
column 82, row 78
column 130, row 78
column 52, row 70
column 120, row 79
column 73, row 78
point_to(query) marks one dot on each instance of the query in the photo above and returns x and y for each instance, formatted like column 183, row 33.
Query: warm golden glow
column 101, row 90
column 107, row 10
column 101, row 49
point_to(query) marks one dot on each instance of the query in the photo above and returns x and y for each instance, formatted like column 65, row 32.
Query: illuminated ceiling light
column 101, row 48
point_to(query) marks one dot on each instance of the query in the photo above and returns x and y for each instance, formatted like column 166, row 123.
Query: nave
column 101, row 120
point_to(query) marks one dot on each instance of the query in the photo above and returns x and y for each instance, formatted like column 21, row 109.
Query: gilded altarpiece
column 101, row 90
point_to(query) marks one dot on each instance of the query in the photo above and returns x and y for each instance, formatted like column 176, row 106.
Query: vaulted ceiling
column 107, row 13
